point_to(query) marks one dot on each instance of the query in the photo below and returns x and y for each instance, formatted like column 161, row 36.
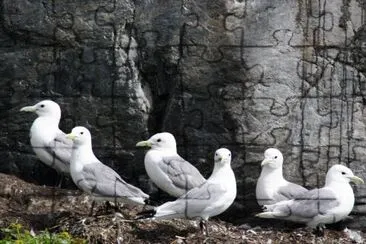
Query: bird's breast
column 42, row 132
column 78, row 160
column 152, row 160
column 346, row 199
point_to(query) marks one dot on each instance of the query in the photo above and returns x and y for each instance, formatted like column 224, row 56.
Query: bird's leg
column 203, row 226
column 107, row 206
column 206, row 227
column 60, row 179
column 91, row 209
column 319, row 231
column 322, row 226
column 116, row 206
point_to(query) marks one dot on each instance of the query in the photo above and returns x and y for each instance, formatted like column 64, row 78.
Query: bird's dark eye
column 158, row 140
column 81, row 133
column 229, row 154
column 42, row 105
column 343, row 173
column 275, row 157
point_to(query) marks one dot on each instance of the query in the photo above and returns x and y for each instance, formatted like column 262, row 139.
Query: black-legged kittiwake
column 317, row 207
column 48, row 141
column 209, row 199
column 169, row 171
column 96, row 178
column 271, row 186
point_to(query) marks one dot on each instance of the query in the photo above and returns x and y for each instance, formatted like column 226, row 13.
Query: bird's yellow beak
column 356, row 180
column 28, row 109
column 143, row 144
column 266, row 161
column 71, row 136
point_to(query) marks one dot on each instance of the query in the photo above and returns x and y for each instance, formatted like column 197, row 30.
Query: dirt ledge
column 42, row 207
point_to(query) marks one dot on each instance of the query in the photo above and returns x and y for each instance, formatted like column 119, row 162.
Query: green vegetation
column 15, row 233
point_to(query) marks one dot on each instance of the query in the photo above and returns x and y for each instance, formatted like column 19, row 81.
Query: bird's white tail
column 271, row 215
column 266, row 215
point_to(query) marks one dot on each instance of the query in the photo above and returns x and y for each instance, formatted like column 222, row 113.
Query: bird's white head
column 45, row 108
column 160, row 141
column 272, row 158
column 222, row 157
column 80, row 135
column 342, row 174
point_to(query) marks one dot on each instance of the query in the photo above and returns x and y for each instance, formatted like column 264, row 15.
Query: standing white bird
column 169, row 171
column 317, row 207
column 271, row 186
column 209, row 199
column 95, row 178
column 48, row 141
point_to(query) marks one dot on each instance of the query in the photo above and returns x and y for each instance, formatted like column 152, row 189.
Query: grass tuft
column 17, row 234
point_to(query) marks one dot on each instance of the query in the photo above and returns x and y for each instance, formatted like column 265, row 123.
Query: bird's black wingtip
column 150, row 202
column 147, row 214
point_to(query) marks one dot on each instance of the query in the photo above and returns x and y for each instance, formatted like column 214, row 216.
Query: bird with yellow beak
column 96, row 178
column 169, row 171
column 271, row 186
column 317, row 207
column 47, row 140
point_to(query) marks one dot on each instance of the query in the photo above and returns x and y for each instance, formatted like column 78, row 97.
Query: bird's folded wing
column 102, row 180
column 313, row 202
column 195, row 201
column 290, row 191
column 60, row 148
column 182, row 174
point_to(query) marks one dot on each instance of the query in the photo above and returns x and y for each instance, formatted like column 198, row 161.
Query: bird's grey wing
column 182, row 174
column 102, row 180
column 196, row 200
column 311, row 203
column 60, row 148
column 290, row 191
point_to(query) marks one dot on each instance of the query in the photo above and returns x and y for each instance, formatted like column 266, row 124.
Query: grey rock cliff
column 246, row 75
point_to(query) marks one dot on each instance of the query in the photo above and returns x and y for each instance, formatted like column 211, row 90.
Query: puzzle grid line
column 312, row 71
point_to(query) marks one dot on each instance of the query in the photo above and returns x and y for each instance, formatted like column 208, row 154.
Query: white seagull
column 48, row 141
column 317, row 207
column 211, row 198
column 271, row 186
column 169, row 171
column 96, row 178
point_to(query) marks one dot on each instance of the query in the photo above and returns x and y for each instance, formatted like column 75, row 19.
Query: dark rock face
column 246, row 75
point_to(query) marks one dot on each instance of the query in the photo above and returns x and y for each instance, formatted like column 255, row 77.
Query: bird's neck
column 338, row 185
column 224, row 176
column 83, row 154
column 272, row 172
column 167, row 150
column 46, row 122
column 220, row 171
